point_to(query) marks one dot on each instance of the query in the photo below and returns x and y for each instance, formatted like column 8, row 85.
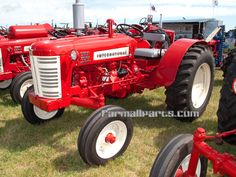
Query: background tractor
column 14, row 49
column 187, row 155
column 14, row 54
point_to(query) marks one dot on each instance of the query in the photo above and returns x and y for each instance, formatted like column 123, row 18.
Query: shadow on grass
column 5, row 98
column 218, row 82
column 70, row 161
column 19, row 135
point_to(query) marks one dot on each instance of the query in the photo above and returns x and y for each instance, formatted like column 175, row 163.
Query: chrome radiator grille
column 46, row 74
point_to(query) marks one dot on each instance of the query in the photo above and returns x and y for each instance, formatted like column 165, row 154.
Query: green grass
column 50, row 149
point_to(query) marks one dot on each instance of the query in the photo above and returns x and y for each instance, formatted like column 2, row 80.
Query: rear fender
column 167, row 69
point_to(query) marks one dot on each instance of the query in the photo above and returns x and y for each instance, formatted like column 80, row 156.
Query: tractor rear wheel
column 104, row 137
column 173, row 159
column 227, row 106
column 193, row 85
column 5, row 84
column 19, row 86
column 34, row 114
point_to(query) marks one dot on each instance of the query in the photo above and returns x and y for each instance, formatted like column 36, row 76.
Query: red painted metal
column 179, row 173
column 110, row 138
column 101, row 71
column 213, row 45
column 22, row 32
column 166, row 71
column 16, row 46
column 223, row 163
column 110, row 25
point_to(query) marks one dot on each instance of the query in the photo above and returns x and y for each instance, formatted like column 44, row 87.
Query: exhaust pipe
column 161, row 23
column 78, row 16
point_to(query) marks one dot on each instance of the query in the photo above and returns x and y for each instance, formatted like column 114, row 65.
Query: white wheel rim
column 5, row 84
column 25, row 86
column 201, row 85
column 44, row 114
column 106, row 150
column 184, row 166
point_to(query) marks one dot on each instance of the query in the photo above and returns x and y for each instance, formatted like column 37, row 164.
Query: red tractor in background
column 83, row 71
column 186, row 155
column 14, row 53
column 14, row 50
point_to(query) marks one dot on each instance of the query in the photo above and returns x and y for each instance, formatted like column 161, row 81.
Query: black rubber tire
column 228, row 60
column 90, row 131
column 86, row 127
column 11, row 87
column 171, row 156
column 16, row 86
column 28, row 110
column 178, row 95
column 227, row 106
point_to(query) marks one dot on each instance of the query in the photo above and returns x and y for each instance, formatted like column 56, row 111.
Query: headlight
column 73, row 55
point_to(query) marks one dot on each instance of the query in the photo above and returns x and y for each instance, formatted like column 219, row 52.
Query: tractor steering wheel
column 124, row 28
column 3, row 30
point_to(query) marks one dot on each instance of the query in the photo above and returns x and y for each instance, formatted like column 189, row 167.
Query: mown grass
column 50, row 149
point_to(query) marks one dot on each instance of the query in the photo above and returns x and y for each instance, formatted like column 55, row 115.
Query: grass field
column 50, row 149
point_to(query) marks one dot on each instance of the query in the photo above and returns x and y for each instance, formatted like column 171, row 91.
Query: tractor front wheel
column 193, row 85
column 104, row 137
column 173, row 159
column 34, row 114
column 19, row 86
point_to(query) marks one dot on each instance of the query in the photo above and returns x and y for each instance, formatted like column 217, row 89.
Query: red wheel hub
column 179, row 172
column 110, row 138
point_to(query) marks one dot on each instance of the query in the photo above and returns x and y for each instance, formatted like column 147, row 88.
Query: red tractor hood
column 90, row 44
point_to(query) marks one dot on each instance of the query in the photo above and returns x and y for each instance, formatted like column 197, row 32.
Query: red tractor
column 187, row 155
column 84, row 71
column 14, row 52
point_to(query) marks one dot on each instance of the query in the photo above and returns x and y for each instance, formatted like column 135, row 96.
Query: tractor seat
column 151, row 53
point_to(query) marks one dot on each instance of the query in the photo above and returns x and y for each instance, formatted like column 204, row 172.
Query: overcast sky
column 26, row 11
